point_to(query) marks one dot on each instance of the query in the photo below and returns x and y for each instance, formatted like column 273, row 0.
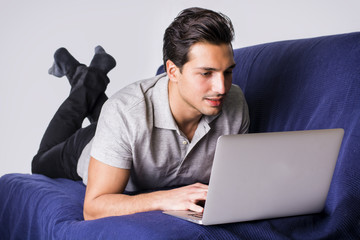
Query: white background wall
column 132, row 31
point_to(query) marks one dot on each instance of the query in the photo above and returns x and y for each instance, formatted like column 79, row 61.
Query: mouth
column 215, row 102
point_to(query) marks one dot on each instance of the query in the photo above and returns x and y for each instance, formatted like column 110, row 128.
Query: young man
column 162, row 132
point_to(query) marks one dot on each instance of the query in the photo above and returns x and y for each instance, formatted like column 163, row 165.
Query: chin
column 212, row 112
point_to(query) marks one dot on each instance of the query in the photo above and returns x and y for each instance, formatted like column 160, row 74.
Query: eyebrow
column 215, row 69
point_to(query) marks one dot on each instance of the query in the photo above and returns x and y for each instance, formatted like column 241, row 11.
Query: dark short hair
column 191, row 26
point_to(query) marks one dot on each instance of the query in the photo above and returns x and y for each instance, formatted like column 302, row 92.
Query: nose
column 219, row 84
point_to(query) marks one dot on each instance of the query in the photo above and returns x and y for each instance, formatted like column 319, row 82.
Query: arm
column 106, row 184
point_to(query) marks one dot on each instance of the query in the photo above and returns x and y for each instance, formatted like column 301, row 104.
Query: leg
column 66, row 64
column 71, row 114
column 93, row 116
column 64, row 139
column 103, row 62
column 60, row 161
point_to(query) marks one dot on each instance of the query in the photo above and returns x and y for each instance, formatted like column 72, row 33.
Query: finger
column 198, row 196
column 196, row 208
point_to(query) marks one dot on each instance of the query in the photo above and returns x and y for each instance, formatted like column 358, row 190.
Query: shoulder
column 134, row 95
column 235, row 111
column 235, row 99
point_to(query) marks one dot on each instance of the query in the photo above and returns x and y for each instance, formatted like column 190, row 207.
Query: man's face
column 205, row 79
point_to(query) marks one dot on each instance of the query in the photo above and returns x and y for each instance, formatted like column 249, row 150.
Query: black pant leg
column 64, row 139
column 60, row 161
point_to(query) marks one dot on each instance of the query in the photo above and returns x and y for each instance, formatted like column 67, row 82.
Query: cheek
column 196, row 91
column 196, row 86
column 202, row 88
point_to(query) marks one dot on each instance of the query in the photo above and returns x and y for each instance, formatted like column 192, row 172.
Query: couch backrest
column 301, row 84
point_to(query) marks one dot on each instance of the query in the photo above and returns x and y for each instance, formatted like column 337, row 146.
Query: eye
column 205, row 74
column 228, row 73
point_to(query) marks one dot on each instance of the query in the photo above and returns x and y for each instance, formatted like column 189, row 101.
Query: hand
column 184, row 198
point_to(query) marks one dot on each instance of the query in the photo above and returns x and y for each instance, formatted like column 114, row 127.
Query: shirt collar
column 162, row 114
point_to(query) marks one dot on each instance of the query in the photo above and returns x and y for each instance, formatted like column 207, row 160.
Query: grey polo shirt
column 137, row 131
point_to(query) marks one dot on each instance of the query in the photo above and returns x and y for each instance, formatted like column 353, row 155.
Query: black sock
column 102, row 60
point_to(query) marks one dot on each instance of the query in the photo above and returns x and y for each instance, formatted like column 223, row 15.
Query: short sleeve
column 111, row 141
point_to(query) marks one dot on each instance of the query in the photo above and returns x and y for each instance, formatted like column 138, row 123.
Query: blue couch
column 289, row 85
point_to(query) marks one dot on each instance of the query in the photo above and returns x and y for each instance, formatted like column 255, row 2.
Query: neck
column 186, row 118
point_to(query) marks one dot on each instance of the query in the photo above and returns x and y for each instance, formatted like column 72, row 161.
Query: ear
column 172, row 70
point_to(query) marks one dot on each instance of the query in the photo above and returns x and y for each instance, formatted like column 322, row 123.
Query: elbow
column 88, row 211
column 87, row 216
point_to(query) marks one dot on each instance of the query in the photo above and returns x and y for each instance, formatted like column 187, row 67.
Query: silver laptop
column 269, row 175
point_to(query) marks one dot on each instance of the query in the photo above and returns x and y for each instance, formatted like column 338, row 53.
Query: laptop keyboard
column 196, row 215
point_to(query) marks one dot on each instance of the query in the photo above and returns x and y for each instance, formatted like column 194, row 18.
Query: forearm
column 120, row 204
column 106, row 184
column 184, row 198
column 104, row 196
